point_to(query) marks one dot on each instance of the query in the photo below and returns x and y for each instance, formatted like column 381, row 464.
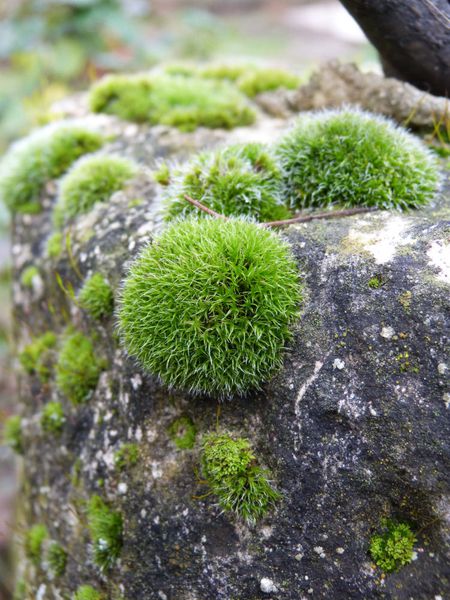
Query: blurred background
column 51, row 48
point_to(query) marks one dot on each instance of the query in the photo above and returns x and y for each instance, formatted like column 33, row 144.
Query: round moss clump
column 208, row 307
column 178, row 101
column 394, row 547
column 92, row 179
column 353, row 158
column 40, row 157
column 238, row 180
column 96, row 297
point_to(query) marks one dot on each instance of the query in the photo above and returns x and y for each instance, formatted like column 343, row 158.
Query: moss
column 55, row 245
column 12, row 433
column 394, row 547
column 57, row 559
column 78, row 368
column 27, row 276
column 266, row 80
column 126, row 456
column 352, row 158
column 229, row 467
column 92, row 179
column 210, row 304
column 105, row 528
column 20, row 590
column 162, row 175
column 405, row 300
column 96, row 297
column 238, row 180
column 182, row 432
column 34, row 540
column 227, row 71
column 376, row 282
column 178, row 101
column 52, row 417
column 87, row 592
column 37, row 358
column 39, row 158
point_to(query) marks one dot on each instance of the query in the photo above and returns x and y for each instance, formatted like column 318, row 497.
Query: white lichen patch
column 387, row 232
column 387, row 332
column 267, row 586
column 439, row 255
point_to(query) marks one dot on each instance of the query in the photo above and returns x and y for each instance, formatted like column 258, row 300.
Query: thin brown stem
column 335, row 214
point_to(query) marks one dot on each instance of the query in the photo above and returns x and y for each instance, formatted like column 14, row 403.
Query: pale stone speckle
column 387, row 332
column 439, row 255
column 122, row 488
column 338, row 364
column 267, row 586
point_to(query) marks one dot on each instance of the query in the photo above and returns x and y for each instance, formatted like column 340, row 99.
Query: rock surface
column 355, row 427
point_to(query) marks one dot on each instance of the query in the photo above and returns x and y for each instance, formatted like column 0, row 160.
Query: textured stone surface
column 355, row 427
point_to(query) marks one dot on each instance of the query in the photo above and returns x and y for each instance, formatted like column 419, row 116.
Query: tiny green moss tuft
column 209, row 306
column 96, row 297
column 78, row 368
column 34, row 540
column 42, row 156
column 394, row 547
column 12, row 433
column 240, row 484
column 376, row 282
column 228, row 71
column 92, row 179
column 178, row 101
column 126, row 456
column 162, row 175
column 27, row 276
column 57, row 559
column 38, row 357
column 52, row 417
column 241, row 180
column 182, row 432
column 352, row 158
column 87, row 592
column 105, row 528
column 261, row 80
column 55, row 245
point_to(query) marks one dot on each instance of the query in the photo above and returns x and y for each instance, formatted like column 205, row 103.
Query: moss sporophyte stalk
column 209, row 306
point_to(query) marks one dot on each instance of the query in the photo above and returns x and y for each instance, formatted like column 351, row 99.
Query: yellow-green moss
column 57, row 559
column 34, row 540
column 27, row 276
column 87, row 592
column 12, row 433
column 37, row 358
column 105, row 529
column 182, row 432
column 55, row 244
column 393, row 548
column 52, row 417
column 126, row 456
column 96, row 297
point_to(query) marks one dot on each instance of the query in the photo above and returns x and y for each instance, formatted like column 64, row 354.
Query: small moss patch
column 57, row 559
column 34, row 540
column 55, row 244
column 238, row 180
column 42, row 156
column 96, row 297
column 376, row 282
column 91, row 180
column 229, row 466
column 12, row 433
column 261, row 80
column 38, row 357
column 87, row 592
column 105, row 528
column 27, row 276
column 78, row 368
column 209, row 306
column 394, row 547
column 182, row 432
column 126, row 456
column 178, row 101
column 52, row 417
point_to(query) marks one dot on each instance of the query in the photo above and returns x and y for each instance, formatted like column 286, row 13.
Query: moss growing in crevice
column 393, row 548
column 182, row 432
column 87, row 592
column 52, row 418
column 34, row 540
column 178, row 101
column 241, row 180
column 376, row 282
column 57, row 559
column 78, row 368
column 126, row 456
column 230, row 469
column 38, row 357
column 105, row 529
column 91, row 180
column 27, row 276
column 12, row 433
column 96, row 297
column 42, row 156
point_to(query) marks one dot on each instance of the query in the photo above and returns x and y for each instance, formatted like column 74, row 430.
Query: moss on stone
column 55, row 245
column 183, row 432
column 52, row 417
column 260, row 80
column 78, row 368
column 96, row 297
column 34, row 540
column 92, row 179
column 105, row 529
column 12, row 433
column 393, row 548
column 57, row 559
column 37, row 358
column 162, row 174
column 126, row 456
column 241, row 180
column 28, row 274
column 42, row 156
column 376, row 282
column 87, row 592
column 178, row 101
column 210, row 304
column 230, row 468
